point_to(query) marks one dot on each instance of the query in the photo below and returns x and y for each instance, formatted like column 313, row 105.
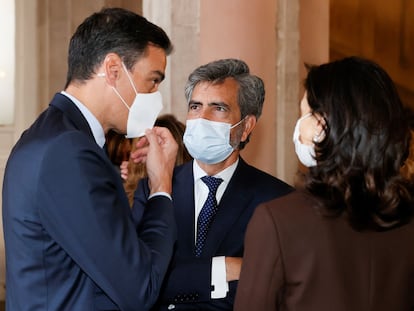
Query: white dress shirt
column 218, row 265
column 96, row 127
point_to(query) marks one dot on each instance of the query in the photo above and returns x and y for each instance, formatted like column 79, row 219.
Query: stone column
column 181, row 21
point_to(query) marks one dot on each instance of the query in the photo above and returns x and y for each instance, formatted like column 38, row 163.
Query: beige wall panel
column 57, row 21
column 385, row 34
column 246, row 30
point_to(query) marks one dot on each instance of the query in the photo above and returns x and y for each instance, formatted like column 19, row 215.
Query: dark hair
column 251, row 91
column 111, row 30
column 366, row 143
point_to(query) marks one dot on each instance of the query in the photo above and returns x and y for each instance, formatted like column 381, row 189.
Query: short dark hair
column 366, row 143
column 251, row 93
column 111, row 30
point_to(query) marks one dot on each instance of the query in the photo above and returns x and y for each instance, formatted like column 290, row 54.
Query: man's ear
column 249, row 125
column 112, row 68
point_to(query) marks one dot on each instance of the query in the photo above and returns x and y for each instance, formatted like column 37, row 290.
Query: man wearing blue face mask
column 71, row 242
column 215, row 195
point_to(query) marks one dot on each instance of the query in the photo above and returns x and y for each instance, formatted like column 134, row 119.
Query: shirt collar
column 96, row 127
column 225, row 174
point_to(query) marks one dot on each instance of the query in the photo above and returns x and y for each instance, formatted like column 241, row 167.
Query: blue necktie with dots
column 207, row 213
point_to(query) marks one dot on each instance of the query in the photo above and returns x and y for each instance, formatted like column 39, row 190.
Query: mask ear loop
column 102, row 75
column 130, row 81
column 305, row 116
column 120, row 97
column 129, row 78
column 238, row 123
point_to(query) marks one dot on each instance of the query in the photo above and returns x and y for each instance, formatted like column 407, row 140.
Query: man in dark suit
column 224, row 103
column 70, row 240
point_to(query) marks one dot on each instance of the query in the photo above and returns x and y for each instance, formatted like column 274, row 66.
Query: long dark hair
column 366, row 144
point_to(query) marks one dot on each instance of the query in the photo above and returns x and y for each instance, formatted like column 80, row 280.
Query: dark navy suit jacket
column 187, row 283
column 71, row 243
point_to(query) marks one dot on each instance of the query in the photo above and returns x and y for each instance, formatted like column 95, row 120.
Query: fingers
column 124, row 170
column 124, row 165
column 139, row 154
column 233, row 268
column 160, row 158
column 159, row 135
column 164, row 136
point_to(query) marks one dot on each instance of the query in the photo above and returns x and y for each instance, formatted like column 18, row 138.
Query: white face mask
column 143, row 111
column 305, row 153
column 208, row 141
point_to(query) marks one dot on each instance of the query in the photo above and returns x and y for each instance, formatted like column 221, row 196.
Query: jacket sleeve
column 86, row 212
column 261, row 278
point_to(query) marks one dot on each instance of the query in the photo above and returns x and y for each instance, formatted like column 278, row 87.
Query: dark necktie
column 207, row 213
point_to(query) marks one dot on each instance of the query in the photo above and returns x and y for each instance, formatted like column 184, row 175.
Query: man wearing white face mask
column 224, row 103
column 71, row 240
column 144, row 110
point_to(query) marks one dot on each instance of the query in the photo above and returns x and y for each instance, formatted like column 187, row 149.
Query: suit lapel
column 65, row 105
column 183, row 198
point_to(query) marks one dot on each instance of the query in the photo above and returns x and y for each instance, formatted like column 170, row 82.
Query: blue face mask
column 208, row 141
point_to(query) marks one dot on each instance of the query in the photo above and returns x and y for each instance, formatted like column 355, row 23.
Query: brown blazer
column 296, row 259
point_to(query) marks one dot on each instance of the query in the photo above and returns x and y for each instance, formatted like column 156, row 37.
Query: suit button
column 171, row 307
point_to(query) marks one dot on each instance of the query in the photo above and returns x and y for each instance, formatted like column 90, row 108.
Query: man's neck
column 213, row 169
column 87, row 95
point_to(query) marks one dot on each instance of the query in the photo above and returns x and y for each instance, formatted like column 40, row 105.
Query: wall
column 56, row 22
column 274, row 38
column 249, row 35
column 181, row 22
column 380, row 30
column 24, row 92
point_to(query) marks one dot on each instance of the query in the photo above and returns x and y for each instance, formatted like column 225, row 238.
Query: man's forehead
column 222, row 89
column 154, row 59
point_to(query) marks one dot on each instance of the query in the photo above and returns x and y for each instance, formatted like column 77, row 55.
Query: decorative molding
column 287, row 95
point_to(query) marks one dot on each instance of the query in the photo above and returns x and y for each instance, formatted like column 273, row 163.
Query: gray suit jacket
column 296, row 259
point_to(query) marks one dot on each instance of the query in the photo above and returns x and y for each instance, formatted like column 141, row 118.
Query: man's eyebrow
column 192, row 102
column 220, row 104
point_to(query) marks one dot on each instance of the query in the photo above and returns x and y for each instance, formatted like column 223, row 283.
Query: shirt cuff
column 165, row 194
column 218, row 278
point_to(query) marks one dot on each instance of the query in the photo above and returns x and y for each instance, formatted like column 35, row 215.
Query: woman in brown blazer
column 346, row 241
